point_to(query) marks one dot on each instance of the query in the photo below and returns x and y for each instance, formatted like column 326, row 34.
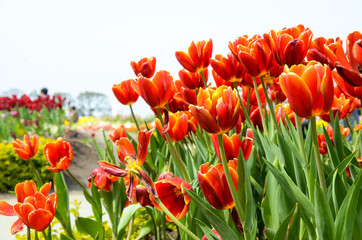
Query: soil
column 85, row 157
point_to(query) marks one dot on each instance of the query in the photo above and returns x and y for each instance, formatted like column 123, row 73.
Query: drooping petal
column 17, row 226
column 6, row 209
column 112, row 169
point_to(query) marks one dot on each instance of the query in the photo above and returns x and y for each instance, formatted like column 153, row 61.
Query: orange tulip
column 233, row 46
column 118, row 133
column 214, row 186
column 221, row 82
column 229, row 69
column 198, row 57
column 350, row 70
column 325, row 51
column 145, row 66
column 193, row 80
column 176, row 126
column 59, row 154
column 132, row 161
column 171, row 192
column 124, row 92
column 252, row 98
column 233, row 145
column 309, row 89
column 276, row 92
column 345, row 87
column 342, row 106
column 158, row 92
column 281, row 111
column 102, row 180
column 218, row 110
column 322, row 141
column 289, row 45
column 26, row 149
column 23, row 191
column 256, row 58
column 358, row 127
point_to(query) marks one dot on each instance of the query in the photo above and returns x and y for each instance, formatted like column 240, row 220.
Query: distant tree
column 93, row 104
column 12, row 91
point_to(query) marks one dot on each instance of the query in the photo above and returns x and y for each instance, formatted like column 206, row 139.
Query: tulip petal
column 126, row 148
column 143, row 141
column 6, row 209
column 147, row 181
column 300, row 101
column 112, row 169
column 185, row 61
column 204, row 119
column 17, row 226
column 40, row 219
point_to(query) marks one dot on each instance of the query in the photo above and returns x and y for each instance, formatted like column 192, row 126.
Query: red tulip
column 198, row 57
column 23, row 191
column 193, row 80
column 229, row 69
column 26, row 149
column 176, row 127
column 233, row 46
column 218, row 110
column 124, row 92
column 156, row 92
column 118, row 133
column 342, row 106
column 59, row 154
column 102, row 180
column 315, row 89
column 142, row 196
column 145, row 66
column 171, row 192
column 289, row 45
column 233, row 145
column 133, row 162
column 350, row 70
column 214, row 186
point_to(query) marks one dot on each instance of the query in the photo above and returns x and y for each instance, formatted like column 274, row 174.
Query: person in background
column 73, row 115
column 43, row 92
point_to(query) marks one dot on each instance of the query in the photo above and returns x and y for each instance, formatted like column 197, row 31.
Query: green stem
column 177, row 222
column 134, row 117
column 203, row 79
column 301, row 148
column 246, row 114
column 349, row 125
column 50, row 232
column 174, row 152
column 230, row 182
column 129, row 234
column 37, row 175
column 28, row 234
column 270, row 104
column 320, row 171
column 248, row 105
column 45, row 235
column 76, row 180
column 163, row 224
column 260, row 106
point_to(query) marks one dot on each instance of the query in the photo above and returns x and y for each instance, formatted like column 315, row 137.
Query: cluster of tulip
column 13, row 102
column 235, row 146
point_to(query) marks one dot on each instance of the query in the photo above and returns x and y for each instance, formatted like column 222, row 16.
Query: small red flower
column 172, row 194
column 59, row 154
column 26, row 149
column 145, row 66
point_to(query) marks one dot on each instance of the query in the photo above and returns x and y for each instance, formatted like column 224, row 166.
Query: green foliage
column 14, row 170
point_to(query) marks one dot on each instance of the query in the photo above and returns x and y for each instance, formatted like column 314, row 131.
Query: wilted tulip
column 101, row 179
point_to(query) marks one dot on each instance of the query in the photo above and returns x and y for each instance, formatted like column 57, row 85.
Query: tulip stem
column 173, row 150
column 129, row 234
column 320, row 171
column 28, row 234
column 248, row 100
column 229, row 180
column 177, row 222
column 37, row 175
column 134, row 118
column 203, row 79
column 270, row 103
column 260, row 105
column 246, row 115
column 75, row 180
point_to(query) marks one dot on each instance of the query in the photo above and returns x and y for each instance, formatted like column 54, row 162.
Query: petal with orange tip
column 300, row 101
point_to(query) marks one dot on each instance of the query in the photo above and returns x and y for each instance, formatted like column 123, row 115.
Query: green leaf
column 147, row 228
column 337, row 138
column 64, row 237
column 286, row 156
column 269, row 203
column 331, row 150
column 128, row 212
column 98, row 149
column 90, row 227
column 283, row 228
column 225, row 231
column 324, row 218
column 97, row 202
column 62, row 212
column 345, row 219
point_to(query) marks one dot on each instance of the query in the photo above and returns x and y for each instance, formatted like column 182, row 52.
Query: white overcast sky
column 74, row 46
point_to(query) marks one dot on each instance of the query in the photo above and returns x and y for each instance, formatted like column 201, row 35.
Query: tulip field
column 261, row 142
